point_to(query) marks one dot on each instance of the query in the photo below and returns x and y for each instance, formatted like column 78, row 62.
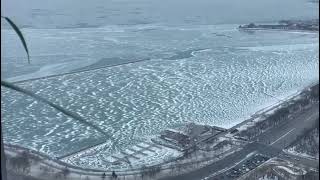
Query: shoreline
column 286, row 25
column 283, row 30
column 260, row 113
column 270, row 106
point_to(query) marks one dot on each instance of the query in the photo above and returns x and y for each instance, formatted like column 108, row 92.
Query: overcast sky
column 56, row 13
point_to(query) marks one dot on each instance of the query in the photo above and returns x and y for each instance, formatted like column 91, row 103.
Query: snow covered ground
column 266, row 177
column 307, row 145
column 275, row 168
column 130, row 160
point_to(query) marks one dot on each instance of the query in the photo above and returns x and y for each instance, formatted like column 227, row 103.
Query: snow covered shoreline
column 270, row 109
column 250, row 122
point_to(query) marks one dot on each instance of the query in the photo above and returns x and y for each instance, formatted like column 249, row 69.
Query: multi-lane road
column 281, row 136
column 269, row 143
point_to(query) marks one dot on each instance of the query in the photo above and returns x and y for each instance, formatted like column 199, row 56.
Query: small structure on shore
column 187, row 136
column 175, row 137
column 312, row 25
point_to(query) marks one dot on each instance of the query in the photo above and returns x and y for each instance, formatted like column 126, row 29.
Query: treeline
column 149, row 172
column 308, row 141
column 21, row 163
column 261, row 126
column 307, row 98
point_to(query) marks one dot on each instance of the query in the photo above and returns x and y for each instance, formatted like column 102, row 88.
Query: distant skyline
column 69, row 13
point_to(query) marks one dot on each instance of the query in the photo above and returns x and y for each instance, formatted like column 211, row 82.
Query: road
column 309, row 162
column 281, row 136
column 224, row 164
column 269, row 143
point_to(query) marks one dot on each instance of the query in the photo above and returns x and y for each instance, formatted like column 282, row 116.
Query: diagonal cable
column 73, row 115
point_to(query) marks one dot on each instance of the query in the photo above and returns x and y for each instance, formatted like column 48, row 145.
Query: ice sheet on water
column 219, row 87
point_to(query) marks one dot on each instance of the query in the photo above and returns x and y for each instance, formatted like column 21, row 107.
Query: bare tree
column 65, row 172
column 20, row 163
column 58, row 175
column 45, row 170
column 143, row 171
column 172, row 168
column 103, row 176
column 114, row 175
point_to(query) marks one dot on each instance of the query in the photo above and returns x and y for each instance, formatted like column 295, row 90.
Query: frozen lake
column 213, row 75
column 162, row 75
